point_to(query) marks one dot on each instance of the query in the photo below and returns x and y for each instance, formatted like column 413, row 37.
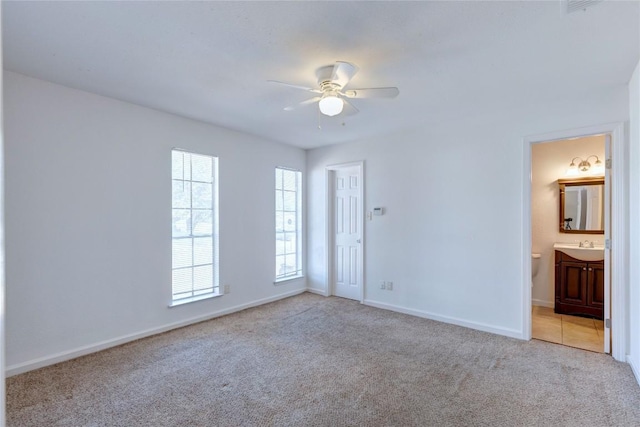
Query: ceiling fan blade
column 349, row 109
column 303, row 103
column 343, row 72
column 296, row 86
column 374, row 92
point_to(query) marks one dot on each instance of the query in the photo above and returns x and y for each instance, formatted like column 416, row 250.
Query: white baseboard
column 542, row 303
column 103, row 345
column 513, row 333
column 317, row 291
column 635, row 369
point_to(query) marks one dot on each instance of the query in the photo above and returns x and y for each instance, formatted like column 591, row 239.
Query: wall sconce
column 584, row 166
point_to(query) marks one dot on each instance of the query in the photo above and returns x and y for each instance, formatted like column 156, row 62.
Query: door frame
column 330, row 226
column 615, row 298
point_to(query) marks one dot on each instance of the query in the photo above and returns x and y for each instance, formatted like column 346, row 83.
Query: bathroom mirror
column 582, row 205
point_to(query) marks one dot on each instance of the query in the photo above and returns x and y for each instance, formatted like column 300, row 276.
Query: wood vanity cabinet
column 579, row 286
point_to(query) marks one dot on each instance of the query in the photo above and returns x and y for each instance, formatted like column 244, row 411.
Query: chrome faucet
column 586, row 244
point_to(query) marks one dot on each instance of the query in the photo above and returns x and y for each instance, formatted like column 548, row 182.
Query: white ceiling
column 210, row 61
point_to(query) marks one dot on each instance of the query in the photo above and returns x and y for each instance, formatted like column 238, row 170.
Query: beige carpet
column 315, row 361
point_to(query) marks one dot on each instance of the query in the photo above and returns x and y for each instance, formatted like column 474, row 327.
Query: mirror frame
column 572, row 182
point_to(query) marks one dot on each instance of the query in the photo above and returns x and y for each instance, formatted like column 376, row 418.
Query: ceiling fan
column 332, row 98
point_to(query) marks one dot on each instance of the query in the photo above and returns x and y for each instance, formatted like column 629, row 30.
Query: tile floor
column 579, row 332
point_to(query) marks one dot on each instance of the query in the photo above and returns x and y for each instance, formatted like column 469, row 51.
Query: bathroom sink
column 596, row 253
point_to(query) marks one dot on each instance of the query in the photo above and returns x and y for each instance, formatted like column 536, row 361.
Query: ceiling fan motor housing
column 329, row 87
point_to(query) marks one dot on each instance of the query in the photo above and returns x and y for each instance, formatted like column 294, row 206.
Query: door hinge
column 607, row 323
column 607, row 243
column 607, row 163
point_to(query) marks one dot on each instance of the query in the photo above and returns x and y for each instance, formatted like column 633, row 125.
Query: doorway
column 568, row 199
column 613, row 330
column 345, row 219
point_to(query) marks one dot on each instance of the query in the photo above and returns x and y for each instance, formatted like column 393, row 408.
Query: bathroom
column 550, row 162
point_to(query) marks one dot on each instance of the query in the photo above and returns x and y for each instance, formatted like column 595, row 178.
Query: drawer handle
column 584, row 268
column 591, row 269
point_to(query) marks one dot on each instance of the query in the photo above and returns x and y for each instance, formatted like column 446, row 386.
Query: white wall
column 634, row 223
column 549, row 162
column 451, row 239
column 88, row 198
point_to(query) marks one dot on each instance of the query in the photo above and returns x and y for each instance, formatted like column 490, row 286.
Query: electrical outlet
column 389, row 286
column 383, row 285
column 227, row 289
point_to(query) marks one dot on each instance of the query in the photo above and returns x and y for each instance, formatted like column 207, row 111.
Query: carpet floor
column 316, row 361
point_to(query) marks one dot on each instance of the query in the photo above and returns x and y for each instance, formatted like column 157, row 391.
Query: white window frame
column 202, row 291
column 281, row 235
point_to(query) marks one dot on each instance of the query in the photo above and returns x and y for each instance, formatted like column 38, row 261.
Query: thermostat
column 378, row 211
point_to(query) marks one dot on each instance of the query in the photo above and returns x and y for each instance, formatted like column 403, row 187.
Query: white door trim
column 618, row 232
column 330, row 228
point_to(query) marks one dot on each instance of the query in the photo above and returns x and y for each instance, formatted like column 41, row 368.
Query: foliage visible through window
column 194, row 225
column 288, row 223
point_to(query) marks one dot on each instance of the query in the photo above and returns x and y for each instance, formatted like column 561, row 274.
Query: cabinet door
column 573, row 286
column 595, row 285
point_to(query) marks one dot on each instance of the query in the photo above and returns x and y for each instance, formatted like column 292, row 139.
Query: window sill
column 288, row 279
column 193, row 299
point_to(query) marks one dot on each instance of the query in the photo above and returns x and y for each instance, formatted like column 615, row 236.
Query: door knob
column 584, row 268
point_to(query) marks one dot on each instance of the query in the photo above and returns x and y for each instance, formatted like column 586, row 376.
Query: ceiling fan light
column 331, row 105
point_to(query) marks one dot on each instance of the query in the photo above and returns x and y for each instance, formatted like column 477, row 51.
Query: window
column 288, row 223
column 194, row 226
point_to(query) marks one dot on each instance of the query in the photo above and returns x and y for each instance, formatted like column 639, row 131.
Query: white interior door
column 347, row 232
column 607, row 251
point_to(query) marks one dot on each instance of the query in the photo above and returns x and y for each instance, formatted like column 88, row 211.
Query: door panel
column 340, row 264
column 572, row 280
column 595, row 286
